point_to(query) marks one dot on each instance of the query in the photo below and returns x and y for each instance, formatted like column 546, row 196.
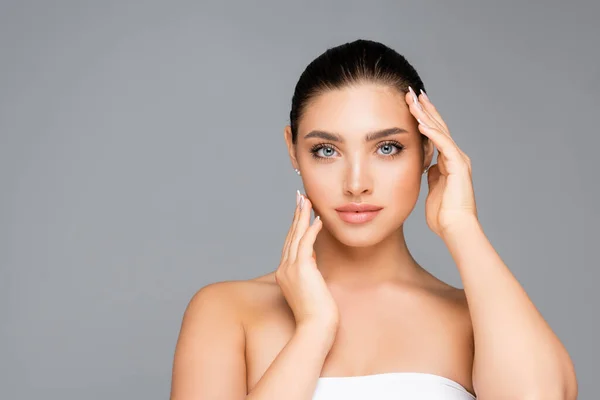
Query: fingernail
column 301, row 201
column 318, row 218
column 415, row 99
column 297, row 197
column 422, row 123
column 424, row 94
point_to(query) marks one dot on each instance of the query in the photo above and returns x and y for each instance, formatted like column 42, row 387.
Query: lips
column 358, row 207
column 358, row 213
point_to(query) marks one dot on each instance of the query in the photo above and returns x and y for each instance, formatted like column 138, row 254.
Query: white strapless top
column 390, row 386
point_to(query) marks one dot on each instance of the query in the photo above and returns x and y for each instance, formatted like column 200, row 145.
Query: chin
column 361, row 235
column 356, row 241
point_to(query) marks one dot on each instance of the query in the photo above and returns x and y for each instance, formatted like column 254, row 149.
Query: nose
column 357, row 180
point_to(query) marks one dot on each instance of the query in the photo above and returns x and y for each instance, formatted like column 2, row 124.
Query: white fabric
column 390, row 386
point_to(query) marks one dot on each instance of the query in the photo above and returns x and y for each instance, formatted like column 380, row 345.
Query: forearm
column 516, row 352
column 294, row 373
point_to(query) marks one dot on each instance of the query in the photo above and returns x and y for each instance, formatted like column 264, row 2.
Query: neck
column 343, row 265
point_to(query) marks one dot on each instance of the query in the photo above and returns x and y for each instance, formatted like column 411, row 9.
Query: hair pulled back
column 360, row 61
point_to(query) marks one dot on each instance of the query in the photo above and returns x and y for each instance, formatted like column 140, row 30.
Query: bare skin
column 265, row 337
column 399, row 325
column 418, row 326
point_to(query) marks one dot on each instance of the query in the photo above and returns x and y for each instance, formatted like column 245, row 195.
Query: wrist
column 466, row 226
column 321, row 334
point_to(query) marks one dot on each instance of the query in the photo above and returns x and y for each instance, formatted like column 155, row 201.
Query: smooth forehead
column 357, row 108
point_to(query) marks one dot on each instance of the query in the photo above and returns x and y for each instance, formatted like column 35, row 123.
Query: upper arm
column 209, row 361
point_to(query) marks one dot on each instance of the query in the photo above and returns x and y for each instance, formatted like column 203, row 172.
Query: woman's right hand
column 299, row 278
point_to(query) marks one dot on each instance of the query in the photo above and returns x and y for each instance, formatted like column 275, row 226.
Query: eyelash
column 315, row 148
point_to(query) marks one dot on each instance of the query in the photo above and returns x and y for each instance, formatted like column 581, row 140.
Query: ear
column 287, row 133
column 427, row 151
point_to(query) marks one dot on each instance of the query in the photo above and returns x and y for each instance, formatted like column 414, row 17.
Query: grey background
column 142, row 157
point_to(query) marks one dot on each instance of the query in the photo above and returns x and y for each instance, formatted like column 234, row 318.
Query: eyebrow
column 370, row 136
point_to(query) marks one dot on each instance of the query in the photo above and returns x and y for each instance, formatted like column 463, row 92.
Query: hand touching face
column 360, row 145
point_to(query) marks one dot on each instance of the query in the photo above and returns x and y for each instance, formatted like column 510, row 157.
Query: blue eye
column 323, row 151
column 387, row 149
column 327, row 151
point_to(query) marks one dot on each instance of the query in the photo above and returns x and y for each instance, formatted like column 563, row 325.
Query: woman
column 349, row 313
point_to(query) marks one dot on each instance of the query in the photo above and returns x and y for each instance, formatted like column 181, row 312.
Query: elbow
column 561, row 384
column 550, row 394
column 558, row 386
column 560, row 389
column 570, row 388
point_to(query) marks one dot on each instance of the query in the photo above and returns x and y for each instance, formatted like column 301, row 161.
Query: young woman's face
column 340, row 164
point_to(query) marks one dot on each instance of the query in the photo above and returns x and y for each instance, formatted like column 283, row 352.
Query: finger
column 288, row 239
column 305, row 246
column 421, row 114
column 430, row 108
column 426, row 113
column 442, row 142
column 428, row 120
column 290, row 234
column 301, row 226
column 441, row 163
column 298, row 214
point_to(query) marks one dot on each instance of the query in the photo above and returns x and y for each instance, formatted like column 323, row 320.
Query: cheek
column 405, row 185
column 403, row 169
column 402, row 182
column 319, row 187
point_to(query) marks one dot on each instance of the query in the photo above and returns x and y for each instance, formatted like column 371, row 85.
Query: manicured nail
column 424, row 94
column 415, row 99
column 422, row 123
column 297, row 197
column 301, row 201
column 318, row 217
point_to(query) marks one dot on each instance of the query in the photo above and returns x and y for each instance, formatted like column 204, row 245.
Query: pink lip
column 358, row 213
column 360, row 207
column 357, row 217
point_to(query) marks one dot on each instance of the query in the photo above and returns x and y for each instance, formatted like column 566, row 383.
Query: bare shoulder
column 453, row 297
column 209, row 359
column 231, row 292
column 235, row 299
column 453, row 294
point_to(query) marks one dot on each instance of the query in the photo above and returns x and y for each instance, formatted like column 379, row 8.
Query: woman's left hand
column 451, row 199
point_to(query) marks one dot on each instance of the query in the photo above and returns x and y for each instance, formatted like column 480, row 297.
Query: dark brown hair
column 361, row 61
